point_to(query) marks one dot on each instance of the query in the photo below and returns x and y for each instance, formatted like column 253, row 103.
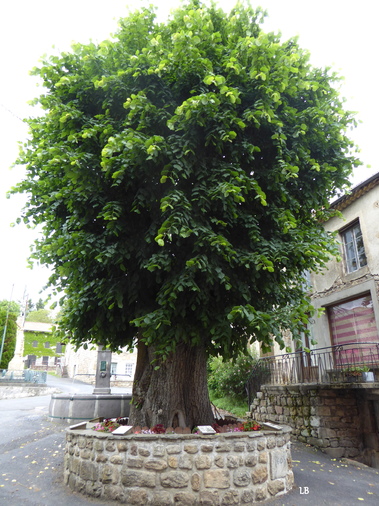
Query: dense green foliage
column 10, row 336
column 40, row 315
column 227, row 378
column 13, row 307
column 40, row 338
column 180, row 173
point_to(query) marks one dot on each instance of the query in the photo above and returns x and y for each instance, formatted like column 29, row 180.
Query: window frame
column 359, row 252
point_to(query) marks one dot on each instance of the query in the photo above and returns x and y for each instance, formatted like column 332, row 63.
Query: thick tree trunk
column 175, row 394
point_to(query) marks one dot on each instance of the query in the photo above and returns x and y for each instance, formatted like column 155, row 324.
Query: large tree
column 181, row 172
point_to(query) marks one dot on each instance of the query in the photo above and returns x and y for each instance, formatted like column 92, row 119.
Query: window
column 355, row 256
column 45, row 360
column 35, row 344
column 58, row 348
column 129, row 369
column 47, row 344
column 353, row 321
column 113, row 367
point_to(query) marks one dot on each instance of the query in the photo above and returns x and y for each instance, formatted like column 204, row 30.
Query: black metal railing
column 332, row 364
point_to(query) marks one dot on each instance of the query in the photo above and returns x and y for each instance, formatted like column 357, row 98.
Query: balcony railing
column 333, row 364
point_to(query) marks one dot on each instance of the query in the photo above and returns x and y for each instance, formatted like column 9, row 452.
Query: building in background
column 81, row 365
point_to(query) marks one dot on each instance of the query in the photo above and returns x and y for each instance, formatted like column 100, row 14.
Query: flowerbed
column 220, row 427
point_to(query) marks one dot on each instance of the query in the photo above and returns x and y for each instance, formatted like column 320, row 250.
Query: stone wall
column 340, row 421
column 162, row 470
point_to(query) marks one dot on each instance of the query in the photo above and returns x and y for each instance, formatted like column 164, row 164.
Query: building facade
column 348, row 290
column 81, row 365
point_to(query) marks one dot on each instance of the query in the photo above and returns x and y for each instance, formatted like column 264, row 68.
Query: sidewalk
column 321, row 480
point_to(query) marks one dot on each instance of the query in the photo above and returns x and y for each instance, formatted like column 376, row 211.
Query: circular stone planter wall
column 161, row 470
column 75, row 407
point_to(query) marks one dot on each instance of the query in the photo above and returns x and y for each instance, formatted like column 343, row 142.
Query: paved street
column 32, row 448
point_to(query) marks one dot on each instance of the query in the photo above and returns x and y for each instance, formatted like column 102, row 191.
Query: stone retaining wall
column 162, row 470
column 336, row 420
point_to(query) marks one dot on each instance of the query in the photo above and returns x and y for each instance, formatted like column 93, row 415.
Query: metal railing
column 332, row 364
column 24, row 376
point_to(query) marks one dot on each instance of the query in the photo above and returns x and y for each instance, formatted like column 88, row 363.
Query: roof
column 356, row 192
column 38, row 327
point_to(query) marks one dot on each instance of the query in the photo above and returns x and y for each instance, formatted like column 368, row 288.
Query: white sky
column 338, row 33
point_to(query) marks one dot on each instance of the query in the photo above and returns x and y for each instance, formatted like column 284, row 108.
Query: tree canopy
column 40, row 315
column 181, row 172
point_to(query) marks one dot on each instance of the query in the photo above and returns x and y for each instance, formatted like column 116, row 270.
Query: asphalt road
column 32, row 448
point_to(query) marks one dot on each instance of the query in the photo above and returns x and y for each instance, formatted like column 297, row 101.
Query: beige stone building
column 81, row 365
column 348, row 290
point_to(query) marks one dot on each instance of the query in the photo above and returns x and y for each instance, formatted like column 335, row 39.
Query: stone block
column 88, row 471
column 203, row 462
column 239, row 447
column 134, row 463
column 231, row 497
column 251, row 446
column 175, row 479
column 195, row 482
column 184, row 499
column 109, row 474
column 116, row 459
column 325, row 432
column 206, row 448
column 122, row 446
column 251, row 460
column 173, row 449
column 241, row 477
column 172, row 461
column 136, row 497
column 110, row 446
column 261, row 493
column 191, row 448
column 223, row 447
column 98, row 445
column 217, row 478
column 247, row 497
column 261, row 444
column 275, row 487
column 161, row 499
column 114, row 493
column 102, row 458
column 263, row 458
column 82, row 442
column 219, row 461
column 208, row 498
column 159, row 451
column 271, row 442
column 93, row 489
column 144, row 452
column 279, row 467
column 232, row 461
column 156, row 464
column 186, row 462
column 259, row 474
column 132, row 479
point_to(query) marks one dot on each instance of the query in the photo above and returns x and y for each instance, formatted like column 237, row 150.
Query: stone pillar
column 17, row 362
column 103, row 371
